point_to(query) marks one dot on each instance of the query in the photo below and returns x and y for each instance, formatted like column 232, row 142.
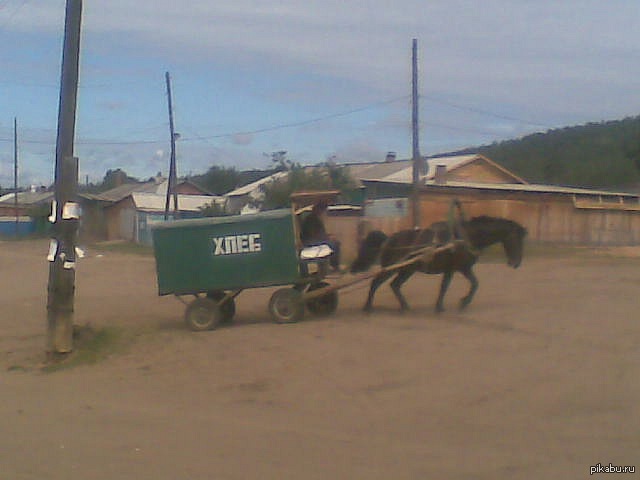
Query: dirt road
column 538, row 379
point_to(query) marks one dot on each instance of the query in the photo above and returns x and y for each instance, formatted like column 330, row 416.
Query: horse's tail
column 369, row 251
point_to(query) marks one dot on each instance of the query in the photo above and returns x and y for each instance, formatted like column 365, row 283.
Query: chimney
column 440, row 177
column 391, row 157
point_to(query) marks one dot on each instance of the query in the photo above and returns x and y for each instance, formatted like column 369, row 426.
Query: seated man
column 313, row 233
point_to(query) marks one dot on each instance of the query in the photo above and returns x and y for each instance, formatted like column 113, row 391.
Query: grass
column 90, row 347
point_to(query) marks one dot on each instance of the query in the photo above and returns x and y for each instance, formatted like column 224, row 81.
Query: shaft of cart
column 424, row 254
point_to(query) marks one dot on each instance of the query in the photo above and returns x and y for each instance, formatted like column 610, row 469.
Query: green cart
column 215, row 259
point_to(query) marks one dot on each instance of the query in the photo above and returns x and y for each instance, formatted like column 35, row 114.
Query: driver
column 313, row 233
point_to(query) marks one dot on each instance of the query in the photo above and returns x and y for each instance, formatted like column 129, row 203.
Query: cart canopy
column 226, row 253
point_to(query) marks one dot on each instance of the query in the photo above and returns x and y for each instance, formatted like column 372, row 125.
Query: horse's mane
column 369, row 250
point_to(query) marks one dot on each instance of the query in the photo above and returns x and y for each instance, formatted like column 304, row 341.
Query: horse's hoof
column 367, row 309
column 439, row 309
column 463, row 305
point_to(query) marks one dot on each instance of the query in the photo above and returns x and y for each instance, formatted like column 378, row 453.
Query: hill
column 595, row 155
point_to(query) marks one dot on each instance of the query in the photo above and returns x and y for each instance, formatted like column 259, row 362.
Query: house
column 32, row 209
column 550, row 213
column 27, row 201
column 249, row 198
column 132, row 218
column 473, row 167
column 127, row 211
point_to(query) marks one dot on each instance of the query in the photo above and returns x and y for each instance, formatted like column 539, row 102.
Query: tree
column 218, row 180
column 213, row 209
column 280, row 162
column 326, row 176
column 595, row 155
column 115, row 178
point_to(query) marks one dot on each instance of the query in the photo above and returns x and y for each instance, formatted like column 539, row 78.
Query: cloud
column 501, row 51
column 249, row 64
column 242, row 139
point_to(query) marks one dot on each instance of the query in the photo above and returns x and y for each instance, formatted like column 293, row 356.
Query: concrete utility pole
column 61, row 290
column 417, row 159
column 172, row 162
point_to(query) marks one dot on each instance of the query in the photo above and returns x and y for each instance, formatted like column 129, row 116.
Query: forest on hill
column 595, row 155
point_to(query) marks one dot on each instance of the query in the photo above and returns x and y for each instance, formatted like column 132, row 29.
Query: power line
column 305, row 122
column 231, row 135
column 282, row 126
column 483, row 112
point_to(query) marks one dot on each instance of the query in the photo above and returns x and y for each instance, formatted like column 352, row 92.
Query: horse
column 477, row 234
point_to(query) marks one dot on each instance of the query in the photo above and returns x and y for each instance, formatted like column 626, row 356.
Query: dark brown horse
column 478, row 233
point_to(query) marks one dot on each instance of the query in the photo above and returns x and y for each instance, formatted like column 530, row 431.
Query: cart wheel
column 286, row 305
column 324, row 305
column 227, row 309
column 202, row 314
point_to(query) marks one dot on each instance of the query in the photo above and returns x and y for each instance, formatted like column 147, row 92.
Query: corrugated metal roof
column 377, row 170
column 518, row 187
column 402, row 170
column 123, row 191
column 450, row 162
column 27, row 198
column 537, row 188
column 250, row 187
column 153, row 202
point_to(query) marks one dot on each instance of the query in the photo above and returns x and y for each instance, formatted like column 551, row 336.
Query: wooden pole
column 61, row 289
column 15, row 174
column 417, row 159
column 172, row 161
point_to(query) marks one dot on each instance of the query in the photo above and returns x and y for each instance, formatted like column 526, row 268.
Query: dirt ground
column 537, row 379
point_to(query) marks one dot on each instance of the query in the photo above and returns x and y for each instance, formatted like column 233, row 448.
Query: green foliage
column 280, row 162
column 112, row 178
column 596, row 155
column 326, row 176
column 212, row 209
column 218, row 180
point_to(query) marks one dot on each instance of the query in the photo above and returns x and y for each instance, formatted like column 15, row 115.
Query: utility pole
column 417, row 159
column 172, row 161
column 15, row 173
column 62, row 255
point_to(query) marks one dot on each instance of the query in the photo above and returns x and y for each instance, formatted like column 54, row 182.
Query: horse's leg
column 375, row 283
column 473, row 281
column 397, row 283
column 444, row 285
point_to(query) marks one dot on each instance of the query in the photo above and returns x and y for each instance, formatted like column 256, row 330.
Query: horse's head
column 513, row 243
column 369, row 251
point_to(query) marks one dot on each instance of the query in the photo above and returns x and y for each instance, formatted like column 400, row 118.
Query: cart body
column 226, row 253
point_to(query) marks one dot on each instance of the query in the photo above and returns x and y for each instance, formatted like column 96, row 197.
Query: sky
column 318, row 79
